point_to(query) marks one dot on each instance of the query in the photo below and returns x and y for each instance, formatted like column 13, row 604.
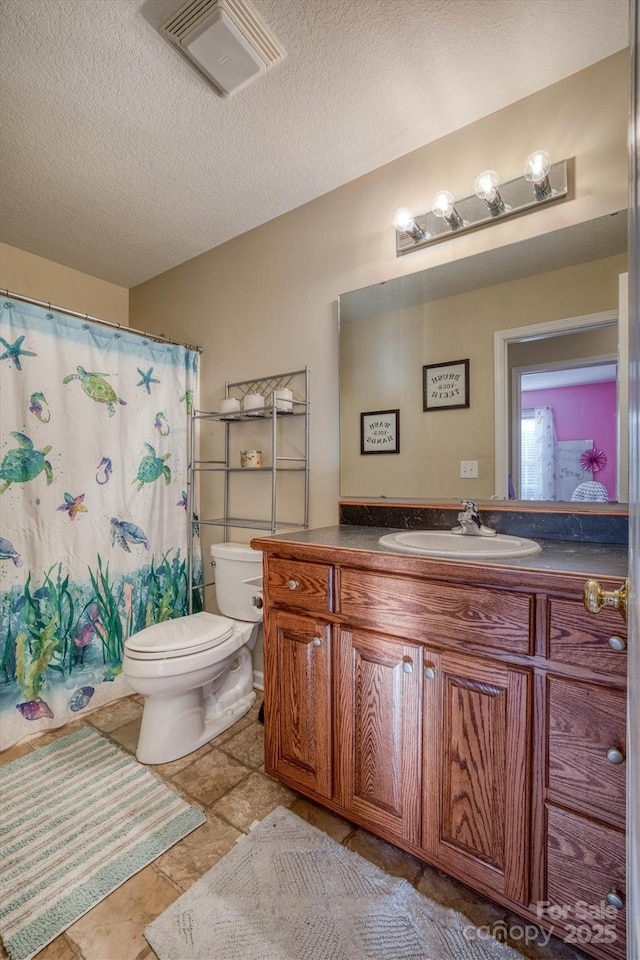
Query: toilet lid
column 192, row 634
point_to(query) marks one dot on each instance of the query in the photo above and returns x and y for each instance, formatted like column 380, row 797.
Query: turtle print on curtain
column 93, row 526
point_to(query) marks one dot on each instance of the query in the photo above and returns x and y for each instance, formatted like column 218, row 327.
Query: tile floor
column 226, row 777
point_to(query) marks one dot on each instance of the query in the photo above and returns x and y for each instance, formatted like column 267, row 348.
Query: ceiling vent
column 224, row 41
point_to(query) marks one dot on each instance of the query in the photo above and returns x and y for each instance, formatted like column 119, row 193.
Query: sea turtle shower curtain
column 93, row 526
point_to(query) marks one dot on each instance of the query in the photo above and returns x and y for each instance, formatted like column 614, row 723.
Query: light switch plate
column 469, row 469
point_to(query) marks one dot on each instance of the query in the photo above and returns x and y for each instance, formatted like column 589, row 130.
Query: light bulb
column 403, row 219
column 486, row 187
column 537, row 166
column 404, row 222
column 536, row 171
column 444, row 206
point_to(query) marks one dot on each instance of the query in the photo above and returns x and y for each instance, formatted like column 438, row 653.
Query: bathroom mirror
column 396, row 334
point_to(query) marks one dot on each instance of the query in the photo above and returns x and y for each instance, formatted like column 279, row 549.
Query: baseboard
column 258, row 679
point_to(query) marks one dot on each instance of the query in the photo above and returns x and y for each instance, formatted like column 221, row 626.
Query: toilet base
column 195, row 729
column 175, row 726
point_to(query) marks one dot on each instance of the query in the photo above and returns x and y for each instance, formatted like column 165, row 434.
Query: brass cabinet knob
column 615, row 756
column 595, row 598
column 615, row 899
column 317, row 641
column 617, row 644
column 293, row 584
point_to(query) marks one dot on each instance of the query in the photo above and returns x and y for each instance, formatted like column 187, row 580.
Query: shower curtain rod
column 156, row 337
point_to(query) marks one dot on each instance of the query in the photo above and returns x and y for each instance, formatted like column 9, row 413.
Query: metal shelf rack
column 298, row 381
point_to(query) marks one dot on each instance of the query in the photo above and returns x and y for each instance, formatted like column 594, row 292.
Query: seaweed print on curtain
column 93, row 471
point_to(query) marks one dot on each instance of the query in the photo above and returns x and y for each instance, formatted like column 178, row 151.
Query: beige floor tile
column 113, row 929
column 14, row 753
column 393, row 861
column 211, row 776
column 193, row 856
column 115, row 714
column 247, row 746
column 337, row 828
column 448, row 892
column 147, row 954
column 127, row 735
column 522, row 936
column 169, row 770
column 240, row 724
column 59, row 949
column 252, row 800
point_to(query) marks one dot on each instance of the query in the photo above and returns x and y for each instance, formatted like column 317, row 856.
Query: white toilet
column 195, row 673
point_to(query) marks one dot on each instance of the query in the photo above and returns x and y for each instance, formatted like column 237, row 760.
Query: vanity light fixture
column 444, row 206
column 492, row 201
column 403, row 221
column 536, row 172
column 487, row 187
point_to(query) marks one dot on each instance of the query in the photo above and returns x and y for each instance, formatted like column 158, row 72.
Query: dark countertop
column 592, row 559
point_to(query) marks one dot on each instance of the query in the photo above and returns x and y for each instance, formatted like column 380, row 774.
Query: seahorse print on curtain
column 93, row 528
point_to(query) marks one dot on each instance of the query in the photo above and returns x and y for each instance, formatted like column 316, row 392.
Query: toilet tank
column 235, row 563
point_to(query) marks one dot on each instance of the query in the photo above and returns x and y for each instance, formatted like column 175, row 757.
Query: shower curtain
column 93, row 526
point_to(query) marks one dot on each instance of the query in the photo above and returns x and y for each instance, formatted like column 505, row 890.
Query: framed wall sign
column 445, row 386
column 380, row 431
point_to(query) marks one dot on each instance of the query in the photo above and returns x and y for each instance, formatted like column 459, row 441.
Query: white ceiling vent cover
column 224, row 41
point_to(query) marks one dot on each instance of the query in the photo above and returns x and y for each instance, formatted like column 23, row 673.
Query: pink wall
column 585, row 412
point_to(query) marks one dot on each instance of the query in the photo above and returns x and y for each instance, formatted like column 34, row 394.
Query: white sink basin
column 443, row 543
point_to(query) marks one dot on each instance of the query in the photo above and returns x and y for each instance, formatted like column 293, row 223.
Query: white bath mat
column 290, row 892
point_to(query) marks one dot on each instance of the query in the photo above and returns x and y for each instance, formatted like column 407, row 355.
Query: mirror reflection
column 552, row 398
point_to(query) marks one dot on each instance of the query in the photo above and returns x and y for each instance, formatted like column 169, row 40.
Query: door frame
column 501, row 341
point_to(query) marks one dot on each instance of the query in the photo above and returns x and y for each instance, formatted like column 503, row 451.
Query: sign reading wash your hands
column 380, row 431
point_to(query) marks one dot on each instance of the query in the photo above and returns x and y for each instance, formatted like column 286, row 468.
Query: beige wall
column 32, row 276
column 381, row 362
column 266, row 301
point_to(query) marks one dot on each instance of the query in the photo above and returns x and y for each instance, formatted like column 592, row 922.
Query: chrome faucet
column 470, row 523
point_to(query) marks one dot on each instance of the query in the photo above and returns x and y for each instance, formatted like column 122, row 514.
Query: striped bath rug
column 77, row 818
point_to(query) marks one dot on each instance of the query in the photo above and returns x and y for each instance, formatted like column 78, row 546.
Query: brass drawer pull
column 617, row 644
column 293, row 584
column 615, row 899
column 595, row 598
column 615, row 756
column 317, row 641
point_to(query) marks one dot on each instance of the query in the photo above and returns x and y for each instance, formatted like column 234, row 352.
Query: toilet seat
column 179, row 637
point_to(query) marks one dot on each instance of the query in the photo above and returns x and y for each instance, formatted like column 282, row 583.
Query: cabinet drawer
column 424, row 610
column 575, row 636
column 307, row 586
column 585, row 864
column 586, row 743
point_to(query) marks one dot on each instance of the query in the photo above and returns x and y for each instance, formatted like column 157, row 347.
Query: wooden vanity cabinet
column 585, row 770
column 478, row 725
column 297, row 669
column 476, row 783
column 378, row 732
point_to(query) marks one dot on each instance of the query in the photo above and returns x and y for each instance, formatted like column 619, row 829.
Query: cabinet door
column 378, row 732
column 298, row 700
column 476, row 770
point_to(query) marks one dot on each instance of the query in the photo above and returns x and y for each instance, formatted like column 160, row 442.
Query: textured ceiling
column 117, row 159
